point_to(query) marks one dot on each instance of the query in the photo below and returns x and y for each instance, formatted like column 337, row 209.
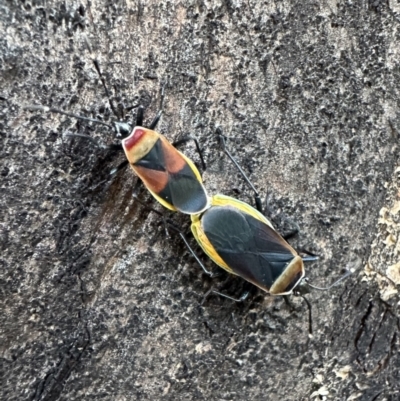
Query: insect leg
column 120, row 167
column 135, row 196
column 242, row 298
column 280, row 219
column 310, row 329
column 156, row 119
column 191, row 250
column 311, row 257
column 288, row 303
column 290, row 234
column 111, row 174
column 139, row 116
column 198, row 149
column 169, row 224
column 243, row 174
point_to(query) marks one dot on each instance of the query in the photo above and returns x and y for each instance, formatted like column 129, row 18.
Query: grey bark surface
column 96, row 302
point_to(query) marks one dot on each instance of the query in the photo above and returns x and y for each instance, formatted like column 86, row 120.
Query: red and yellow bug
column 170, row 176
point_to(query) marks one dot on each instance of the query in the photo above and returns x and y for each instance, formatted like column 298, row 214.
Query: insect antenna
column 65, row 113
column 334, row 284
column 97, row 68
column 122, row 129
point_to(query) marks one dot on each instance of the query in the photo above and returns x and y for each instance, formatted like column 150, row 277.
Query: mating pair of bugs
column 236, row 236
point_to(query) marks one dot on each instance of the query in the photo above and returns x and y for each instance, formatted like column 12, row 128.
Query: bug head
column 302, row 288
column 122, row 129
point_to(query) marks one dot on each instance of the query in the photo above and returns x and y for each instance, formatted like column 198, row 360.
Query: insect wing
column 252, row 249
column 170, row 176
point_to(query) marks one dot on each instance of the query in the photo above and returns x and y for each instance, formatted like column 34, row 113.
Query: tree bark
column 97, row 302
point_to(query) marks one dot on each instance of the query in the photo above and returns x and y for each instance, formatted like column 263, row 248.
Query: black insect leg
column 310, row 325
column 156, row 119
column 286, row 298
column 311, row 257
column 291, row 306
column 135, row 194
column 172, row 226
column 111, row 174
column 112, row 147
column 246, row 291
column 294, row 228
column 139, row 116
column 198, row 149
column 291, row 234
column 243, row 174
column 120, row 167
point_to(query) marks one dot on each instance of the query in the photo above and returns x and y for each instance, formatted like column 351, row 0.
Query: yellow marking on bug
column 205, row 244
column 192, row 167
column 222, row 200
column 163, row 202
column 295, row 268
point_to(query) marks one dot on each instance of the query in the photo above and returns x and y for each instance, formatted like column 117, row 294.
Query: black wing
column 181, row 188
column 250, row 247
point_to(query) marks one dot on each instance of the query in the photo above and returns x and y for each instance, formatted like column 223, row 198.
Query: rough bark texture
column 96, row 302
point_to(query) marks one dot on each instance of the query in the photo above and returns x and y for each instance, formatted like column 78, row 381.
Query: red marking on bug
column 133, row 138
